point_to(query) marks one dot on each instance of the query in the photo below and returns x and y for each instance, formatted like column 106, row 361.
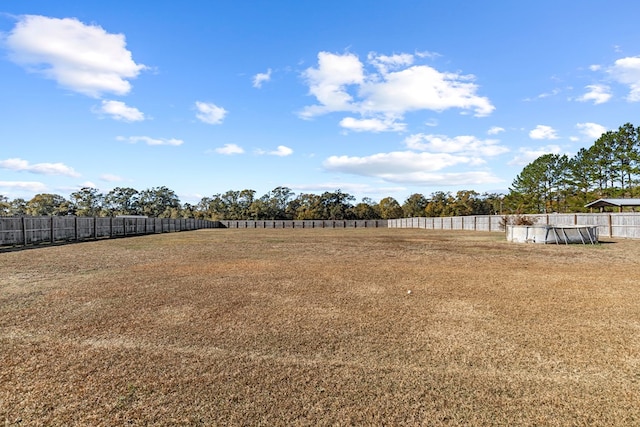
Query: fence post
column 24, row 230
column 75, row 226
column 51, row 227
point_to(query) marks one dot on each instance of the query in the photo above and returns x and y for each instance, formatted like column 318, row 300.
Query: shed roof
column 618, row 203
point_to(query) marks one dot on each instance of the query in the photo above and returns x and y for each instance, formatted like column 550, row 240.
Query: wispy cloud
column 280, row 151
column 30, row 186
column 20, row 165
column 111, row 178
column 210, row 113
column 83, row 58
column 409, row 167
column 118, row 110
column 150, row 141
column 261, row 78
column 229, row 149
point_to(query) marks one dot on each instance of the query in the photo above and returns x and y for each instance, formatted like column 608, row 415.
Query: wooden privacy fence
column 614, row 224
column 23, row 231
column 305, row 224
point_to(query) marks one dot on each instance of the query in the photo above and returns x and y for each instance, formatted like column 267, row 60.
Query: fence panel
column 11, row 231
column 37, row 229
column 625, row 225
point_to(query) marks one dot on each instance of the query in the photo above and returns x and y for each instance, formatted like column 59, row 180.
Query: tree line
column 279, row 204
column 610, row 167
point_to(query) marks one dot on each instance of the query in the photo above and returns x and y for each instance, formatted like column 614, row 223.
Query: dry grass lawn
column 316, row 327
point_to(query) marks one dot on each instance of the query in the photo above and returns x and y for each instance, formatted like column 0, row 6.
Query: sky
column 374, row 98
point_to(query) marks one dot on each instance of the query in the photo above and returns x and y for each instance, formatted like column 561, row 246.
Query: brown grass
column 316, row 327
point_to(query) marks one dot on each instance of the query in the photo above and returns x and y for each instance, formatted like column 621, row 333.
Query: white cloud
column 210, row 113
column 543, row 132
column 328, row 82
column 495, row 130
column 464, row 144
column 393, row 163
column 591, row 130
column 111, row 178
column 599, row 94
column 150, row 141
column 410, row 168
column 427, row 54
column 82, row 58
column 423, row 88
column 627, row 71
column 260, row 78
column 372, row 125
column 425, row 161
column 528, row 155
column 30, row 186
column 394, row 87
column 20, row 165
column 281, row 151
column 229, row 149
column 118, row 110
column 552, row 93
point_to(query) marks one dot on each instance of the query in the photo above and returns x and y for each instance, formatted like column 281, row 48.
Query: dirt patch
column 317, row 327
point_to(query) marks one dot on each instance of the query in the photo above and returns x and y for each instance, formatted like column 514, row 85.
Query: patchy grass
column 316, row 327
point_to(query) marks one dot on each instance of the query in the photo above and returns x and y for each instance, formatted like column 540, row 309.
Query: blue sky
column 375, row 98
